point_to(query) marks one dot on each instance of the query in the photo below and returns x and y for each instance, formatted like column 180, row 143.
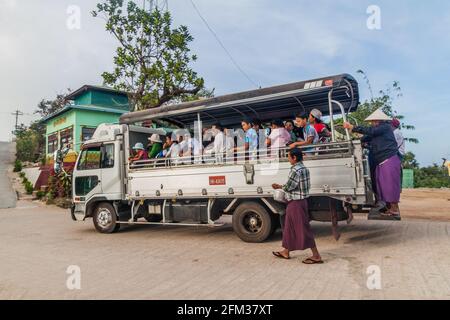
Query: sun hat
column 155, row 138
column 138, row 146
column 316, row 114
column 378, row 115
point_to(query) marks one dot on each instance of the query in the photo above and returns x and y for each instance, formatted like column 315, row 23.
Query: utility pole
column 162, row 5
column 17, row 113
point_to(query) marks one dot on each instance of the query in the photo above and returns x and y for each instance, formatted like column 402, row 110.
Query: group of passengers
column 383, row 139
column 306, row 129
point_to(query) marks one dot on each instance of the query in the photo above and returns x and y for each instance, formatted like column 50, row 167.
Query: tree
column 385, row 100
column 27, row 145
column 152, row 61
column 409, row 161
column 434, row 176
column 48, row 107
column 30, row 140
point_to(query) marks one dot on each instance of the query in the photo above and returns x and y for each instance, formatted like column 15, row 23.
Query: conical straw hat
column 378, row 115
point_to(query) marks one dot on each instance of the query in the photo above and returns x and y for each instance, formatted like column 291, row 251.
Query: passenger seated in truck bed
column 278, row 138
column 171, row 148
column 139, row 153
column 315, row 119
column 309, row 133
column 155, row 146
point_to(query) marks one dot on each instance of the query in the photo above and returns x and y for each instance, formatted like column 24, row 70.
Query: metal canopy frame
column 279, row 102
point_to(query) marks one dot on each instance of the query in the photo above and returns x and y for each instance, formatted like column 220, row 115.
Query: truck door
column 87, row 177
column 111, row 171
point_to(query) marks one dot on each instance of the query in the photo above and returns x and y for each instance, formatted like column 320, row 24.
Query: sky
column 43, row 52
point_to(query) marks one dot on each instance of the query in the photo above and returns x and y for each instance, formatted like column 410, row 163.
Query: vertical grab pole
column 344, row 117
column 330, row 105
column 199, row 138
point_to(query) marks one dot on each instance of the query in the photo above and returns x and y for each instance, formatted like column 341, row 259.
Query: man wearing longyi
column 297, row 232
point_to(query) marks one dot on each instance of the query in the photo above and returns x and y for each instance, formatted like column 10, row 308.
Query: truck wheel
column 105, row 218
column 252, row 222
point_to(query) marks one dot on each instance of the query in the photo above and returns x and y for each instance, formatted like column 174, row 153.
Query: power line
column 223, row 46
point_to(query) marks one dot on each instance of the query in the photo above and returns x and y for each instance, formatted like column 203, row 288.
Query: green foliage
column 29, row 188
column 152, row 61
column 30, row 141
column 427, row 177
column 18, row 166
column 434, row 176
column 22, row 174
column 409, row 161
column 40, row 194
column 384, row 101
column 29, row 144
column 47, row 107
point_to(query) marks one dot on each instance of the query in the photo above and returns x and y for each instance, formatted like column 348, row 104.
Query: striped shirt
column 298, row 185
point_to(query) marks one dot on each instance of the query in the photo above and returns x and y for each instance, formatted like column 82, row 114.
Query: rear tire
column 252, row 222
column 105, row 218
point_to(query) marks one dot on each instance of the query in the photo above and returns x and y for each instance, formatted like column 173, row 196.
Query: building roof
column 82, row 107
column 85, row 88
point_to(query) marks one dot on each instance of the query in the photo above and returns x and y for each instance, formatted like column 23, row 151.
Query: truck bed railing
column 331, row 150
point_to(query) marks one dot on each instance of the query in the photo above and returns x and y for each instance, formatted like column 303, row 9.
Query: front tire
column 252, row 222
column 105, row 218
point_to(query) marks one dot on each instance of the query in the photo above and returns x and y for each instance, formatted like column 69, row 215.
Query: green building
column 89, row 106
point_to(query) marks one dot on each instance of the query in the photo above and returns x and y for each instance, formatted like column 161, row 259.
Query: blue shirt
column 251, row 137
column 309, row 131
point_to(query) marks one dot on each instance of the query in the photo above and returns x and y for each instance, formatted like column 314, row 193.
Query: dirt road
column 429, row 204
column 39, row 243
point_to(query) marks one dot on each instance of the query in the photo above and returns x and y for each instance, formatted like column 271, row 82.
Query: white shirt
column 219, row 143
column 174, row 151
column 279, row 138
column 400, row 141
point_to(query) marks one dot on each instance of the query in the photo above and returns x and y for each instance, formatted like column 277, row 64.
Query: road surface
column 7, row 195
column 372, row 260
column 39, row 243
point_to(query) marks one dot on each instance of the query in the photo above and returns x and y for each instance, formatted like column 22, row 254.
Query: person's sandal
column 393, row 215
column 280, row 255
column 312, row 261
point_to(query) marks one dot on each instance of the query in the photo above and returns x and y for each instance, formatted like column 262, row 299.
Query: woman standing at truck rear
column 297, row 232
column 384, row 153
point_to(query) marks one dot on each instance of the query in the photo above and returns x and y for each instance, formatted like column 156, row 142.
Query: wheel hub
column 104, row 218
column 252, row 222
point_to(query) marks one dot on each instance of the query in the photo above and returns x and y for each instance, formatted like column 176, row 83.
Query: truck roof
column 265, row 104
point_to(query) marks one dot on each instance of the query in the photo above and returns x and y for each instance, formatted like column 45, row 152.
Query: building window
column 66, row 136
column 86, row 134
column 52, row 143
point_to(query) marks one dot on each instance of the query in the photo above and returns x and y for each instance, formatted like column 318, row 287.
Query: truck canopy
column 278, row 102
